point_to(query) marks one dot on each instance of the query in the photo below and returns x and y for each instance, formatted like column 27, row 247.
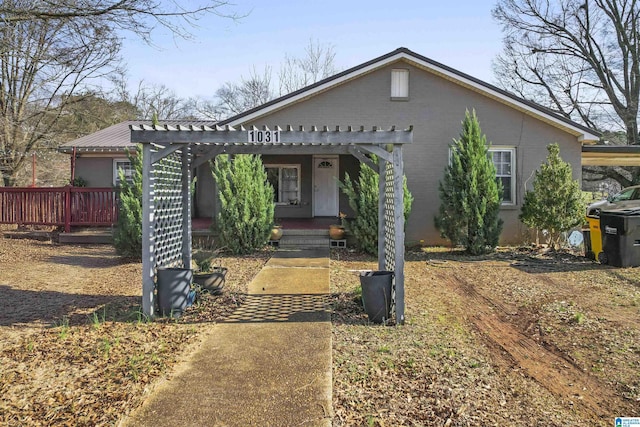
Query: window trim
column 403, row 71
column 513, row 176
column 491, row 149
column 116, row 161
column 281, row 166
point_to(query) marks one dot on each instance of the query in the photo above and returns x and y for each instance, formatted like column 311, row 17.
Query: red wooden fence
column 62, row 206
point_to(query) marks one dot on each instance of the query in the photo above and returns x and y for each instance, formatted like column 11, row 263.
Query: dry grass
column 76, row 349
column 517, row 338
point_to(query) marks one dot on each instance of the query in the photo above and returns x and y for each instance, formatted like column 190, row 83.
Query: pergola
column 171, row 152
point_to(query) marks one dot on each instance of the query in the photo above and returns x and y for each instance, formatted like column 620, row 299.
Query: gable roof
column 117, row 138
column 583, row 133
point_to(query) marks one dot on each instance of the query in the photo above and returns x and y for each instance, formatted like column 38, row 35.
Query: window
column 125, row 166
column 504, row 159
column 285, row 180
column 399, row 84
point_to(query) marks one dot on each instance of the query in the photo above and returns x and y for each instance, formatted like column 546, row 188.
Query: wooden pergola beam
column 164, row 135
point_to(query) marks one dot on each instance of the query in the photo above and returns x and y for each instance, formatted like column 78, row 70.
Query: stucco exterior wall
column 435, row 108
column 96, row 171
column 205, row 195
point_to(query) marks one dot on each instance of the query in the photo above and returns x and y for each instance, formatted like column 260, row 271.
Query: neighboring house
column 399, row 89
column 99, row 155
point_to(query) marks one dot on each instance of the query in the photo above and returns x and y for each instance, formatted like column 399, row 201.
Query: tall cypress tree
column 470, row 195
column 555, row 204
column 363, row 196
column 246, row 198
column 127, row 236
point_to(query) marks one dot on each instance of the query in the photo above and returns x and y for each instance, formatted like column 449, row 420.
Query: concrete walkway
column 269, row 364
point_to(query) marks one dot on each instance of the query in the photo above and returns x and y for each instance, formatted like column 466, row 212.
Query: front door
column 325, row 186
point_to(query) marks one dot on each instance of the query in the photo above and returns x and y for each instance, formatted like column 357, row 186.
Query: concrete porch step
column 321, row 232
column 306, row 242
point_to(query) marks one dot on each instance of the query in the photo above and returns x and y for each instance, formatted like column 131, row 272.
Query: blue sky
column 460, row 34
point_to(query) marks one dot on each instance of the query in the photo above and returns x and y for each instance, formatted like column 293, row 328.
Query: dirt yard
column 75, row 349
column 517, row 338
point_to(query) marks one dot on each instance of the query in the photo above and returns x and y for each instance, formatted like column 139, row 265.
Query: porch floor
column 318, row 223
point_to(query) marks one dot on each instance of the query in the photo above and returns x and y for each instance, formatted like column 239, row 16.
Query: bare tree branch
column 53, row 50
column 315, row 65
column 138, row 16
column 578, row 57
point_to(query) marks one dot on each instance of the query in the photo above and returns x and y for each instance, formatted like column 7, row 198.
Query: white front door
column 325, row 186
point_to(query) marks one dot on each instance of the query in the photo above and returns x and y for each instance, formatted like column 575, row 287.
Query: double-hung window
column 285, row 180
column 504, row 159
column 122, row 165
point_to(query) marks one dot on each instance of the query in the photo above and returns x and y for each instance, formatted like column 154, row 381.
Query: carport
column 610, row 155
column 170, row 153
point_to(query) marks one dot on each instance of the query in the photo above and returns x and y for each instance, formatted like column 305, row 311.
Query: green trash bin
column 376, row 294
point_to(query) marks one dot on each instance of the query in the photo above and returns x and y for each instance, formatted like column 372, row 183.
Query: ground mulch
column 523, row 336
column 75, row 348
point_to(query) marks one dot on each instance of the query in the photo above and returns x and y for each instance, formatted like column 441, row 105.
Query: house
column 400, row 89
column 99, row 155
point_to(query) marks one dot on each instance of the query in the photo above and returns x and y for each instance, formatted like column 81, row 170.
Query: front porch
column 305, row 185
column 204, row 224
column 298, row 233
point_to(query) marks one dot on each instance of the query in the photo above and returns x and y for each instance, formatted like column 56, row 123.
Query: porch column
column 186, row 206
column 398, row 178
column 148, row 238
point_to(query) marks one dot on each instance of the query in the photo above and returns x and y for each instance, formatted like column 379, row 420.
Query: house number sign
column 263, row 136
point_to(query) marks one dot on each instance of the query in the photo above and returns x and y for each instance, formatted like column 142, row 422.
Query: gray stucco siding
column 205, row 195
column 96, row 171
column 435, row 108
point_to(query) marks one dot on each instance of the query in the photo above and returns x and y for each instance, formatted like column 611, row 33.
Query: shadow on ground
column 98, row 259
column 265, row 308
column 21, row 307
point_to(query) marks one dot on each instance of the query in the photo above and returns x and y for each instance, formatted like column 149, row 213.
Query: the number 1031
column 263, row 136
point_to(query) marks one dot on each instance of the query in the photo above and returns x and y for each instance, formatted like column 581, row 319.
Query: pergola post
column 398, row 181
column 382, row 167
column 186, row 206
column 148, row 234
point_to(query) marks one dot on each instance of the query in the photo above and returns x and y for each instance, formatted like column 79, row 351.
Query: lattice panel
column 167, row 186
column 389, row 227
column 389, row 220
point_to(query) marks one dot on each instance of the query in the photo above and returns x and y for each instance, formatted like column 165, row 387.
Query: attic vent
column 399, row 84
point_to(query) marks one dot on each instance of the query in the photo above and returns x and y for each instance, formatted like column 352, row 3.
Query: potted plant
column 210, row 277
column 337, row 231
column 276, row 232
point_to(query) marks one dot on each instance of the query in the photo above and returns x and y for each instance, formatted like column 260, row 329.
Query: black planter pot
column 376, row 294
column 173, row 287
column 213, row 281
